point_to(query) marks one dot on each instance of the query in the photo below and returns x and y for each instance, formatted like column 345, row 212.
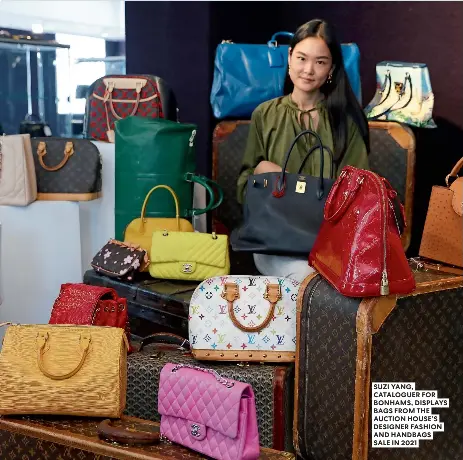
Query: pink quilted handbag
column 207, row 413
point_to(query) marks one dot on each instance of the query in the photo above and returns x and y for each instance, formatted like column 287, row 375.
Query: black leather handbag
column 67, row 169
column 283, row 212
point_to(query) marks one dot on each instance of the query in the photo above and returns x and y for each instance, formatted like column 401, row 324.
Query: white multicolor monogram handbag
column 244, row 318
column 403, row 94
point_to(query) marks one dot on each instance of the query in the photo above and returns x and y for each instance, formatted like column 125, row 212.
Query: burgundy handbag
column 358, row 248
column 114, row 97
column 81, row 304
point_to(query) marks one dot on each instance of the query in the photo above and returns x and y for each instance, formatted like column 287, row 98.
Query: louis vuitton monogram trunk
column 346, row 344
column 52, row 438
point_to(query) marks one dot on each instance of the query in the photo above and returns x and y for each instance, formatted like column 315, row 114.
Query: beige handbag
column 63, row 370
column 442, row 239
column 18, row 184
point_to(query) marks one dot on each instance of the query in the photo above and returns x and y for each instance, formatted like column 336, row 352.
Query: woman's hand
column 266, row 166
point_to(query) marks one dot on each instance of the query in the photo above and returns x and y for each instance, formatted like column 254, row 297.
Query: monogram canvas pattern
column 80, row 174
column 16, row 446
column 210, row 325
column 123, row 102
column 388, row 159
column 421, row 342
column 326, row 385
column 229, row 149
column 144, row 369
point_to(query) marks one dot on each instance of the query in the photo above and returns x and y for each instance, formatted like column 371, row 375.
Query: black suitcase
column 346, row 344
column 153, row 305
column 273, row 387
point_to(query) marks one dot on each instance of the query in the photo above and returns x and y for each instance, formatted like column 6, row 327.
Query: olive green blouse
column 275, row 124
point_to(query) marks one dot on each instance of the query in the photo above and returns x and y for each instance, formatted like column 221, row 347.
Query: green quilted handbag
column 155, row 151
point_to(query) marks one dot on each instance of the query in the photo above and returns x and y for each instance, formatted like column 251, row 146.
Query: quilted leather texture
column 210, row 326
column 189, row 398
column 270, row 383
column 188, row 255
column 18, row 186
column 442, row 238
column 80, row 174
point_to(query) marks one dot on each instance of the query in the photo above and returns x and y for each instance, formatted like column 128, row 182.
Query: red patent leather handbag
column 358, row 248
column 82, row 304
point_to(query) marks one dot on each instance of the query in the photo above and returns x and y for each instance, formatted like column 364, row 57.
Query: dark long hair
column 340, row 98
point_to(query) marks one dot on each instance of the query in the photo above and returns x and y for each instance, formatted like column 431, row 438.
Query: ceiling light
column 37, row 28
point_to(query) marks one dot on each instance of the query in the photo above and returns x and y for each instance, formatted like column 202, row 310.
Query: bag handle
column 164, row 337
column 42, row 151
column 223, row 381
column 454, row 172
column 281, row 182
column 273, row 40
column 231, row 293
column 42, row 341
column 331, row 215
column 315, row 147
column 109, row 432
column 143, row 208
column 207, row 184
column 385, row 84
column 108, row 97
column 401, row 93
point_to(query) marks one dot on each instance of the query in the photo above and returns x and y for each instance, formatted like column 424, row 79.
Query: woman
column 321, row 100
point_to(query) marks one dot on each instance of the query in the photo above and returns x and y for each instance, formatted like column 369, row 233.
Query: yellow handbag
column 63, row 370
column 139, row 231
column 189, row 256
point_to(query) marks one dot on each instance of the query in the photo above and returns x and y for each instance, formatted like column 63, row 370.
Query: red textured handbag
column 358, row 248
column 82, row 304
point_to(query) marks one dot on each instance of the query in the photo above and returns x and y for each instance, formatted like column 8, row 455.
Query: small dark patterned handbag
column 67, row 169
column 120, row 260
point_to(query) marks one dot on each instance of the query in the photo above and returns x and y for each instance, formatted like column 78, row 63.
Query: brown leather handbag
column 442, row 239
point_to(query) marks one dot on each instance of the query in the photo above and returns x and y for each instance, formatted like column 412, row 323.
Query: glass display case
column 85, row 72
column 29, row 85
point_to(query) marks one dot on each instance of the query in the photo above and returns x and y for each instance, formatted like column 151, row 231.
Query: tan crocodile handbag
column 63, row 370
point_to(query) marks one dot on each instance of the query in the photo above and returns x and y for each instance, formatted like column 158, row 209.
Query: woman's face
column 310, row 63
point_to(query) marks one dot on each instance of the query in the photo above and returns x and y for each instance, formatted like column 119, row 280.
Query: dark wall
column 115, row 48
column 177, row 40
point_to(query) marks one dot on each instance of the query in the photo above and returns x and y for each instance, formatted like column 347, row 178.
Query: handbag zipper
column 384, row 287
column 192, row 138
